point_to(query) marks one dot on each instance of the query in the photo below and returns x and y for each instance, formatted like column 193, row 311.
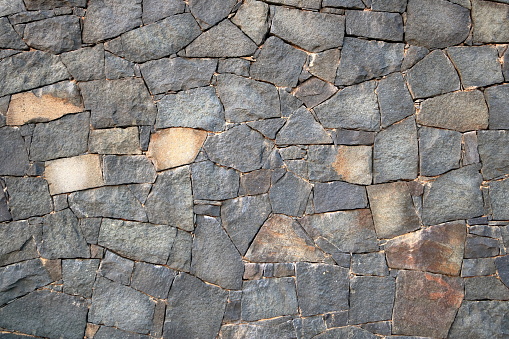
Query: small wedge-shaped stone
column 494, row 153
column 138, row 241
column 16, row 243
column 215, row 258
column 375, row 25
column 212, row 182
column 312, row 31
column 470, row 322
column 221, row 41
column 477, row 65
column 314, row 91
column 9, row 38
column 490, row 22
column 28, row 197
column 394, row 99
column 324, row 65
column 156, row 40
column 251, row 17
column 210, row 12
column 302, row 129
column 55, row 35
column 289, row 194
column 14, row 155
column 281, row 239
column 460, row 111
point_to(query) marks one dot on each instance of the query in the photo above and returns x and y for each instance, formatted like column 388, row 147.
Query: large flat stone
column 353, row 164
column 155, row 280
column 11, row 7
column 128, row 169
column 28, row 197
column 489, row 22
column 154, row 10
column 371, row 299
column 212, row 182
column 86, row 63
column 282, row 327
column 114, row 141
column 116, row 268
column 54, row 35
column 375, row 25
column 289, row 194
column 494, row 153
column 439, row 150
column 485, row 288
column 478, row 66
column 338, row 195
column 470, row 322
column 497, row 98
column 14, row 155
column 79, row 276
column 394, row 99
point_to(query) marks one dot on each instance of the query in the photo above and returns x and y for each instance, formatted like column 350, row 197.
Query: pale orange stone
column 174, row 147
column 353, row 164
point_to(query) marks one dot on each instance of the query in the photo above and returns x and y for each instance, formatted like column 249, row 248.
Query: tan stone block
column 174, row 147
column 74, row 174
column 115, row 141
column 353, row 164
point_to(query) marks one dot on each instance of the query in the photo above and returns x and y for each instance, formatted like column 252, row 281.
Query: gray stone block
column 338, row 195
column 212, row 182
column 14, row 155
column 79, row 276
column 375, row 25
column 55, row 35
column 302, row 129
column 289, row 194
column 497, row 98
column 394, row 100
column 478, row 66
column 439, row 151
column 494, row 153
column 153, row 280
column 28, row 197
column 116, row 268
column 371, row 299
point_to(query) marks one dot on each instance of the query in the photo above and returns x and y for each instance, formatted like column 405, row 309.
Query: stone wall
column 254, row 169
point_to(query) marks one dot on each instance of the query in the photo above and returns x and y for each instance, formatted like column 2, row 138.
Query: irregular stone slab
column 180, row 255
column 237, row 66
column 393, row 210
column 221, row 41
column 497, row 98
column 268, row 127
column 354, row 164
column 433, row 75
column 268, row 298
column 278, row 63
column 470, row 153
column 426, row 303
column 494, row 153
column 114, row 333
column 478, row 267
column 477, row 65
column 314, row 91
column 375, row 25
column 256, row 182
column 312, row 31
column 212, row 182
column 9, row 38
column 439, row 150
column 502, row 265
column 138, row 241
column 453, row 196
column 242, row 218
column 310, row 4
column 346, row 332
column 251, row 18
column 117, row 305
column 215, row 258
column 436, row 23
column 107, row 19
column 323, row 164
column 281, row 239
column 289, row 194
column 321, row 288
column 128, row 169
column 116, row 67
column 499, row 199
column 245, row 99
column 63, row 317
column 17, row 243
column 195, row 108
column 394, row 99
column 118, row 103
column 363, row 60
column 470, row 322
column 395, row 154
column 356, row 4
column 5, row 215
column 85, row 64
column 108, row 202
column 55, row 35
column 50, row 4
column 338, row 195
column 371, row 299
column 485, row 288
column 79, row 276
column 324, row 64
column 28, row 197
column 14, row 155
column 154, row 10
column 354, row 107
column 460, row 111
column 62, row 237
column 413, row 55
column 481, row 247
column 116, row 268
column 8, row 7
column 209, row 13
column 349, row 231
column 73, row 174
column 176, row 74
column 370, row 264
column 33, row 69
column 301, row 129
column 114, row 141
column 282, row 327
column 389, row 5
column 490, row 25
column 154, row 280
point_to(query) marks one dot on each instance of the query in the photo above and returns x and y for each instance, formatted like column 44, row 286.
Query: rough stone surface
column 116, row 268
column 28, row 197
column 477, row 66
column 314, row 91
column 302, row 128
column 154, row 10
column 18, row 243
column 353, row 164
column 375, row 25
column 324, row 64
column 485, row 288
column 498, row 196
column 377, row 292
column 470, row 321
column 493, row 152
column 55, row 35
column 394, row 100
column 481, row 247
column 439, row 151
column 128, row 169
column 114, row 141
column 14, row 155
column 252, row 19
column 338, row 195
column 211, row 182
column 289, row 194
column 497, row 98
column 10, row 39
column 210, row 13
column 154, row 280
column 79, row 276
column 86, row 64
column 489, row 22
column 370, row 264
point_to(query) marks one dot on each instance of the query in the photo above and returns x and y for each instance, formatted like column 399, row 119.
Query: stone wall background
column 254, row 169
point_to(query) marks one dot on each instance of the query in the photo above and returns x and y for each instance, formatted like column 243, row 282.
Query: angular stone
column 497, row 98
column 370, row 264
column 86, row 64
column 109, row 18
column 389, row 5
column 309, row 4
column 436, row 23
column 108, row 202
column 251, row 18
column 28, row 197
column 353, row 137
column 324, row 64
column 338, row 195
column 375, row 25
column 209, row 13
column 494, row 153
column 116, row 67
column 470, row 152
column 180, row 254
column 481, row 247
column 354, row 107
column 301, row 129
column 371, row 299
column 413, row 55
column 478, row 267
column 289, row 194
column 314, row 91
column 114, row 333
column 363, row 60
column 212, row 182
column 114, row 141
column 433, row 75
column 5, row 215
column 51, row 4
column 55, row 35
column 356, row 4
column 63, row 317
column 17, row 243
column 278, row 63
column 73, row 174
column 256, row 182
column 485, row 288
column 346, row 332
column 8, row 7
column 439, row 150
column 9, row 37
column 489, row 22
column 237, row 66
column 499, row 199
column 282, row 327
column 116, row 268
column 470, row 322
column 195, row 108
column 154, row 280
column 79, row 276
column 393, row 211
column 154, row 10
column 268, row 127
column 348, row 231
column 354, row 164
column 453, row 196
column 14, row 155
column 478, row 66
column 502, row 266
column 312, row 31
column 245, row 99
column 118, row 103
column 128, row 169
column 281, row 239
column 395, row 154
column 394, row 99
column 426, row 303
column 321, row 288
column 116, row 305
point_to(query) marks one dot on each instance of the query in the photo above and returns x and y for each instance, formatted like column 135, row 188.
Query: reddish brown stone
column 426, row 304
column 437, row 249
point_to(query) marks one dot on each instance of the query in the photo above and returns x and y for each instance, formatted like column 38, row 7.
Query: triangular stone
column 302, row 129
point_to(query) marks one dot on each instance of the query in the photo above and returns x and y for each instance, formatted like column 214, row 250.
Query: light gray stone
column 129, row 169
column 9, row 37
column 237, row 66
column 439, row 150
column 282, row 327
column 470, row 321
column 289, row 194
column 324, row 64
column 478, row 66
column 302, row 129
column 28, row 197
column 8, row 7
column 356, row 4
column 346, row 332
column 85, row 64
column 114, row 333
column 338, row 195
column 413, row 55
column 116, row 268
column 211, row 182
column 375, row 25
column 154, row 280
column 314, row 91
column 497, row 98
column 51, row 4
column 55, row 35
column 14, row 155
column 17, row 243
column 180, row 254
column 155, row 10
column 114, row 141
column 494, row 153
column 252, row 19
column 268, row 127
column 305, row 4
column 371, row 299
column 394, row 100
column 499, row 199
column 489, row 22
column 256, row 182
column 79, row 276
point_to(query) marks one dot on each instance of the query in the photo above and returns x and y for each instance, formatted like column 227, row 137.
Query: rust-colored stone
column 353, row 164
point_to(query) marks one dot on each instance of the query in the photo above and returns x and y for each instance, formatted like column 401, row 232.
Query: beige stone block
column 74, row 174
column 174, row 147
column 114, row 141
column 353, row 164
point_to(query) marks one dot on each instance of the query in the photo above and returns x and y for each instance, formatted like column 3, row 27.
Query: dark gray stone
column 324, row 64
column 278, row 63
column 395, row 154
column 309, row 327
column 314, row 91
column 471, row 321
column 268, row 127
column 79, row 276
column 138, row 241
column 155, row 10
column 481, row 247
column 282, row 327
column 180, row 254
column 85, row 64
column 17, row 243
column 485, row 288
column 210, row 210
column 383, row 328
column 353, row 137
column 195, row 108
column 346, row 332
column 289, row 102
column 478, row 66
column 107, row 19
column 28, row 197
column 292, row 153
column 494, row 153
column 338, row 195
column 479, row 267
column 370, row 264
column 117, row 305
column 215, row 258
column 289, row 194
column 55, row 35
column 117, row 68
column 439, row 150
column 212, row 182
column 14, row 155
column 502, row 265
column 394, row 99
column 256, row 182
column 356, row 4
column 154, row 280
column 301, row 129
column 433, row 75
column 109, row 202
column 371, row 299
column 90, row 229
column 237, row 66
column 195, row 309
column 209, row 13
column 9, row 37
column 489, row 21
column 116, row 268
column 118, row 103
column 499, row 197
column 336, row 319
column 5, row 214
column 114, row 333
column 363, row 60
column 245, row 99
column 497, row 98
column 128, row 169
column 321, row 161
column 51, row 4
column 413, row 55
column 114, row 141
column 242, row 218
column 251, row 17
column 46, row 314
column 375, row 25
column 8, row 7
column 389, row 5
